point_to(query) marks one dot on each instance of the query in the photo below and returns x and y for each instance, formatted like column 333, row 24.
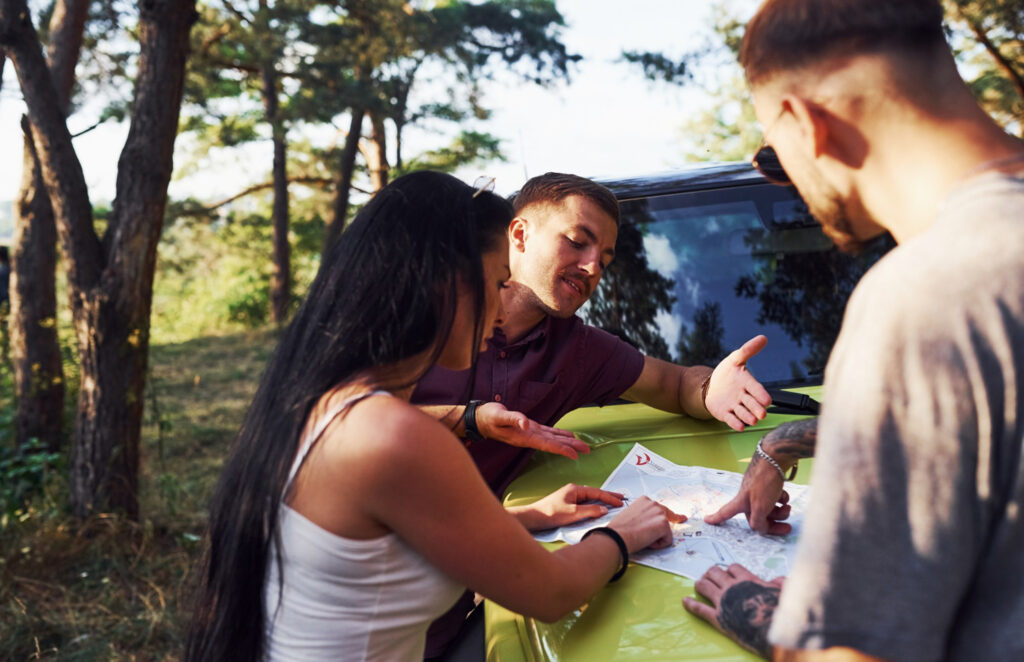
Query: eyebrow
column 593, row 237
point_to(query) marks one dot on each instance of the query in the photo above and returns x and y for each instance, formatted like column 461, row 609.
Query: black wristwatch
column 469, row 418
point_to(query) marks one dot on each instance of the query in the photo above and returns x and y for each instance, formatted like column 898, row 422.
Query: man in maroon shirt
column 543, row 361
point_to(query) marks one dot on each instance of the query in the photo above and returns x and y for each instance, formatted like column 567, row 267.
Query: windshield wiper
column 788, row 402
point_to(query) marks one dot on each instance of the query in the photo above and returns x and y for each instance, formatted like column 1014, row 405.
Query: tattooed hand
column 761, row 497
column 742, row 605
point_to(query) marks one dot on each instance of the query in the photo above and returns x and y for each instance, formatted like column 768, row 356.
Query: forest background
column 139, row 322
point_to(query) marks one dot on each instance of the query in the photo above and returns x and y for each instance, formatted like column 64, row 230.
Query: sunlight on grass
column 111, row 589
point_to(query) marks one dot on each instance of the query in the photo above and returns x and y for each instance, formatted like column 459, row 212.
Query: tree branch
column 61, row 169
column 325, row 182
column 231, row 8
column 67, row 30
column 208, row 43
column 88, row 129
column 237, row 66
column 1015, row 76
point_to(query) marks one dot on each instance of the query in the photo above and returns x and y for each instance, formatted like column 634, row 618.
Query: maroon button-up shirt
column 560, row 365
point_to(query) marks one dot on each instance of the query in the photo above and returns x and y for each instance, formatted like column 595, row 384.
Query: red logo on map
column 642, row 459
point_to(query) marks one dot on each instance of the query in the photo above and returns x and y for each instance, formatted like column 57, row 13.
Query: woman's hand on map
column 568, row 504
column 514, row 428
column 645, row 523
column 761, row 498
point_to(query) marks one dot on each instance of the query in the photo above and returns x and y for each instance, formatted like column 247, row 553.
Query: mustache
column 579, row 277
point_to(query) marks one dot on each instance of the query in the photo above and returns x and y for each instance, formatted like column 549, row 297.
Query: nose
column 591, row 263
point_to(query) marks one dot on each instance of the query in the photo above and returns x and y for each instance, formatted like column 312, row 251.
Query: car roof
column 695, row 177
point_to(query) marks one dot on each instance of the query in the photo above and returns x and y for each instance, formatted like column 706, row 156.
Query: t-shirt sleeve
column 893, row 527
column 608, row 365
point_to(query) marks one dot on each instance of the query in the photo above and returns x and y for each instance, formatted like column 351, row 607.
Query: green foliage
column 724, row 128
column 989, row 39
column 656, row 66
column 213, row 274
column 468, row 147
column 23, row 474
column 111, row 589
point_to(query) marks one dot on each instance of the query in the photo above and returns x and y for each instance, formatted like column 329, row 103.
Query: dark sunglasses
column 767, row 163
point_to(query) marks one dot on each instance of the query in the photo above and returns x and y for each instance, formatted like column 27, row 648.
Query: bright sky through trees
column 608, row 121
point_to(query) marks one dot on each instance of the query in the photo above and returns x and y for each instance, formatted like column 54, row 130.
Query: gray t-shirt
column 913, row 546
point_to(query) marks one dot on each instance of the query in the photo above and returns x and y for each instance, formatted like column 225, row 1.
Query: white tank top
column 344, row 599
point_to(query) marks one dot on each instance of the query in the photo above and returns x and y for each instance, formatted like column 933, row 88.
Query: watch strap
column 469, row 420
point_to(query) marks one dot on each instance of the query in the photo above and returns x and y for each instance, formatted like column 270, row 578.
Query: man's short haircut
column 556, row 186
column 788, row 34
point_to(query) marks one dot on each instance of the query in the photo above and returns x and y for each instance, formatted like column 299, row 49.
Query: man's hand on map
column 734, row 396
column 568, row 504
column 761, row 498
column 494, row 421
column 645, row 523
column 742, row 605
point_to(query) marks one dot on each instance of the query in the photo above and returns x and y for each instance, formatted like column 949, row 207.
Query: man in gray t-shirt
column 913, row 543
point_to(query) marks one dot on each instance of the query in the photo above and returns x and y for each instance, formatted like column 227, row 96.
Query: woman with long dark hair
column 346, row 519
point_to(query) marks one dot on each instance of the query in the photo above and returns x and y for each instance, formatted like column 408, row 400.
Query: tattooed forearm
column 746, row 611
column 792, row 441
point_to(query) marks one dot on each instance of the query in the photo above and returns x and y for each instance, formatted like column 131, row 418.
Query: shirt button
column 497, row 397
column 502, row 354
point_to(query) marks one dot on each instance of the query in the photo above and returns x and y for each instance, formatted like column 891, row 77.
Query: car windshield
column 698, row 274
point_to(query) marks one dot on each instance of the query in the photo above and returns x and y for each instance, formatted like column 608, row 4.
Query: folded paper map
column 694, row 492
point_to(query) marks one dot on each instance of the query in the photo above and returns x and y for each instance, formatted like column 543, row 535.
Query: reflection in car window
column 698, row 274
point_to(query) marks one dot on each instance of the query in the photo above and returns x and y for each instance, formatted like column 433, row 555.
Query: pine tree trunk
column 112, row 323
column 280, row 278
column 343, row 181
column 377, row 154
column 38, row 372
column 110, row 282
column 35, row 350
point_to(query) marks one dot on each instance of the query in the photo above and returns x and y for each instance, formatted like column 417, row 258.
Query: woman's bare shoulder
column 383, row 427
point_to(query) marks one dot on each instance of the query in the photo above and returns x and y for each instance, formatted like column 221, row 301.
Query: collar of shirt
column 536, row 333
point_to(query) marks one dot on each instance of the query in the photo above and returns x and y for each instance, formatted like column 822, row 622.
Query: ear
column 518, row 230
column 812, row 120
column 827, row 134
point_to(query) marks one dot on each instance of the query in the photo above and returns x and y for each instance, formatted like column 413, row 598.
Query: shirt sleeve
column 894, row 523
column 609, row 365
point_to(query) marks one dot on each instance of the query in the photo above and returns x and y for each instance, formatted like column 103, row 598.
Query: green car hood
column 641, row 617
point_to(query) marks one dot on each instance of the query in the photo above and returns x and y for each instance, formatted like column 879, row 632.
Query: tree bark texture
column 376, row 153
column 67, row 29
column 343, row 181
column 110, row 281
column 38, row 373
column 280, row 277
column 35, row 350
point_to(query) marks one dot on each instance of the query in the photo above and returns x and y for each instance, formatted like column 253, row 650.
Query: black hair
column 386, row 293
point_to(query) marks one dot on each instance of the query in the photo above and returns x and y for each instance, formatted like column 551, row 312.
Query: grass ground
column 111, row 589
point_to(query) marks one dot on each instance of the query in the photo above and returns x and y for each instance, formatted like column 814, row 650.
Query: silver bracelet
column 771, row 460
